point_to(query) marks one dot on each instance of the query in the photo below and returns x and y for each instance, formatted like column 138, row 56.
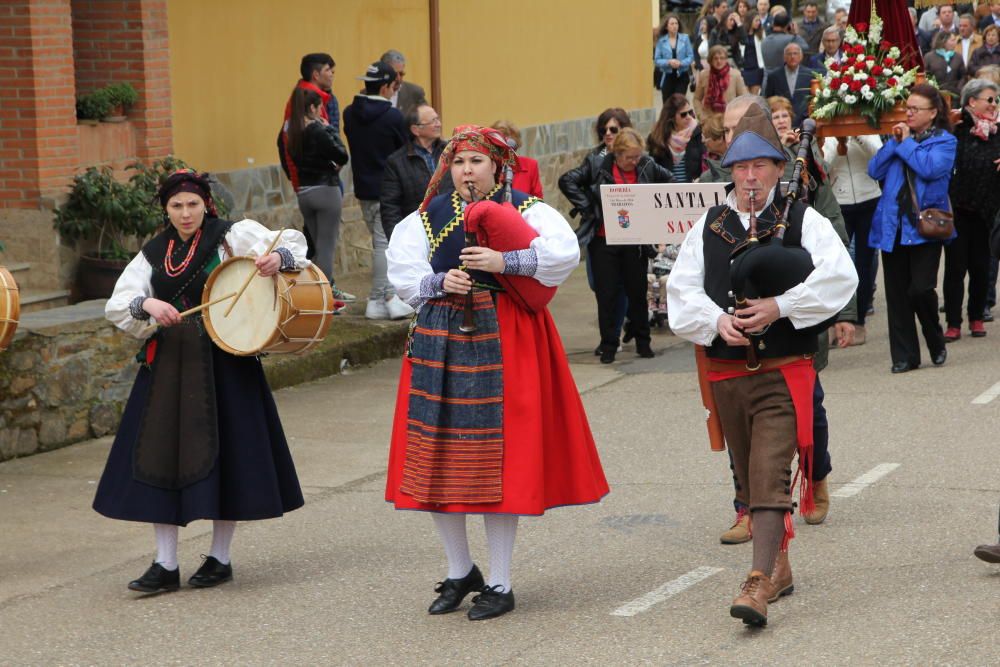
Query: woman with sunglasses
column 924, row 154
column 609, row 124
column 675, row 142
column 975, row 191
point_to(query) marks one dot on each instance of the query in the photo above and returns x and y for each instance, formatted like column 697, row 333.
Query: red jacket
column 526, row 178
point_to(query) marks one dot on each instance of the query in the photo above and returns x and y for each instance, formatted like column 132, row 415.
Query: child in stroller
column 656, row 296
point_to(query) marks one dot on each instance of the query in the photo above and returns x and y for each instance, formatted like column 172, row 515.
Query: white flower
column 844, row 87
column 850, row 35
column 894, row 52
column 850, row 99
column 868, row 95
column 860, row 76
column 826, row 92
column 898, row 69
column 865, row 88
column 860, row 59
column 889, row 93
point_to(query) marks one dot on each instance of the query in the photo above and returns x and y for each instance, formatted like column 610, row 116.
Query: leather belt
column 768, row 364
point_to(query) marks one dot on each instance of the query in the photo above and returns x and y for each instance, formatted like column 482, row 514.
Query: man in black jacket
column 409, row 169
column 374, row 131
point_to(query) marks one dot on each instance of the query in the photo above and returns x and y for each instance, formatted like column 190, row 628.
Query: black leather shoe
column 904, row 366
column 451, row 592
column 211, row 573
column 491, row 603
column 987, row 316
column 607, row 356
column 941, row 357
column 644, row 351
column 157, row 579
column 597, row 351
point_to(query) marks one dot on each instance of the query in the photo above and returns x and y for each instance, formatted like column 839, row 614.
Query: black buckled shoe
column 211, row 573
column 157, row 579
column 451, row 592
column 490, row 603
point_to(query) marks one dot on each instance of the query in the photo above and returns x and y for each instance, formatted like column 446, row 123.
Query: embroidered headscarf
column 187, row 180
column 483, row 140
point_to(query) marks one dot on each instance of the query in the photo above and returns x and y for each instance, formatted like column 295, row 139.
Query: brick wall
column 126, row 41
column 37, row 116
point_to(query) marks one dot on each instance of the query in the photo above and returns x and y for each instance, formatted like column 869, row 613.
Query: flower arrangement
column 868, row 81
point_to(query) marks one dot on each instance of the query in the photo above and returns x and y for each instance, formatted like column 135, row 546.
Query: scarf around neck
column 718, row 82
column 982, row 126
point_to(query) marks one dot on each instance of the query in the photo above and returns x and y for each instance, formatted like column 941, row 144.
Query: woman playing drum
column 200, row 437
column 488, row 422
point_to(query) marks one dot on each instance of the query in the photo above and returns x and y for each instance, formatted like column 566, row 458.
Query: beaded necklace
column 168, row 265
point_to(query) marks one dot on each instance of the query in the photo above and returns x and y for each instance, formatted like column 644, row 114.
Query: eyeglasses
column 912, row 110
column 689, row 113
column 610, row 128
column 989, row 100
column 433, row 121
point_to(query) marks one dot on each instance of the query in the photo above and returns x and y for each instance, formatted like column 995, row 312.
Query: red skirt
column 549, row 456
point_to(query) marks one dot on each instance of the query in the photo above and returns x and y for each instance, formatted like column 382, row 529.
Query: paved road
column 640, row 578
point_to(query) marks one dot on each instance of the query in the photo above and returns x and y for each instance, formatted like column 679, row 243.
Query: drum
column 10, row 308
column 285, row 313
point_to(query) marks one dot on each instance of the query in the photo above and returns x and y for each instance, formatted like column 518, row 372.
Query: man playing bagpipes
column 790, row 275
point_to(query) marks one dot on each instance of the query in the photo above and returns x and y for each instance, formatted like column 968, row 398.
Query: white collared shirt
column 824, row 293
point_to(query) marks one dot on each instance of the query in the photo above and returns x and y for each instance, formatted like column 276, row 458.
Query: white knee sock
column 166, row 545
column 222, row 538
column 451, row 530
column 500, row 532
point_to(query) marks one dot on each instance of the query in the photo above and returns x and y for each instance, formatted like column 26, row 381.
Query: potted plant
column 121, row 96
column 92, row 107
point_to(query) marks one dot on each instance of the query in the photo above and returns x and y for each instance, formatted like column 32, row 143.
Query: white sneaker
column 398, row 309
column 376, row 310
column 341, row 295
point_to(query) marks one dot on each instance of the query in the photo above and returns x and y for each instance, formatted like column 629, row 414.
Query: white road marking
column 669, row 589
column 866, row 480
column 987, row 395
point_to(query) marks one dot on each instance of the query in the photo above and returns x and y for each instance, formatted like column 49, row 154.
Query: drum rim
column 12, row 308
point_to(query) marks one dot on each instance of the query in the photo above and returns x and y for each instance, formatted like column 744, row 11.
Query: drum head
column 254, row 319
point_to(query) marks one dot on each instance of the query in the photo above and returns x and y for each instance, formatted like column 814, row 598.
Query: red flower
column 885, row 45
column 871, row 82
column 855, row 86
column 877, row 70
column 835, row 83
column 889, row 62
column 892, row 81
column 834, row 67
column 861, row 27
column 870, row 57
column 859, row 50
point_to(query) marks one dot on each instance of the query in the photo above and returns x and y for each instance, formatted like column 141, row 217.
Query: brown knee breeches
column 758, row 419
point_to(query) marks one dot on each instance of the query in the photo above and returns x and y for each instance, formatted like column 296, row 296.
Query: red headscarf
column 483, row 140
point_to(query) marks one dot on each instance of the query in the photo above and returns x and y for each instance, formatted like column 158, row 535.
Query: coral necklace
column 168, row 265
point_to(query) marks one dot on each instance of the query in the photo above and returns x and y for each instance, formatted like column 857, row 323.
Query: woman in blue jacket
column 925, row 148
column 673, row 57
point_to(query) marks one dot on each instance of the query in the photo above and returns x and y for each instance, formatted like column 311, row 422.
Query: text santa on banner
column 656, row 212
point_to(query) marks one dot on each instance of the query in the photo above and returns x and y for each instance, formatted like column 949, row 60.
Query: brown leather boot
column 751, row 604
column 781, row 577
column 821, row 495
column 739, row 532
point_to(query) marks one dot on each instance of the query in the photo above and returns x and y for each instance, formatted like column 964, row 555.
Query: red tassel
column 789, row 532
column 150, row 352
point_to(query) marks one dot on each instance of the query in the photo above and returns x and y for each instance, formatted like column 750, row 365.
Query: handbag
column 934, row 224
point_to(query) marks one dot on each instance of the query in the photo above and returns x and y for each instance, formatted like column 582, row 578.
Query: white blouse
column 246, row 238
column 556, row 248
column 824, row 293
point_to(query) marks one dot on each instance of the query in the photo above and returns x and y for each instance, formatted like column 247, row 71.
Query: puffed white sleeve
column 826, row 290
column 691, row 313
column 249, row 238
column 557, row 249
column 124, row 308
column 410, row 270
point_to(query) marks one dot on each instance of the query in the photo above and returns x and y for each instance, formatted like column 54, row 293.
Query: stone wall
column 69, row 371
column 265, row 195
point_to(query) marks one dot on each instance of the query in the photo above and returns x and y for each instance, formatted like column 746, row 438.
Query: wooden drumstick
column 253, row 273
column 191, row 311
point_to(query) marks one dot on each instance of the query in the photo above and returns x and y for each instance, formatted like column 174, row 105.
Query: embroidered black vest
column 444, row 224
column 185, row 290
column 722, row 234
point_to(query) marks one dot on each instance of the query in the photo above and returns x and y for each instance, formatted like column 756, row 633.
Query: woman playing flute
column 200, row 436
column 490, row 422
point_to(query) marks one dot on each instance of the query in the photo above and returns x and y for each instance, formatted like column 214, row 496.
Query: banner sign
column 656, row 212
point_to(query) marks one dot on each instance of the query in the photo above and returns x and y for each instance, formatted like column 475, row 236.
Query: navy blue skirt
column 253, row 476
column 753, row 77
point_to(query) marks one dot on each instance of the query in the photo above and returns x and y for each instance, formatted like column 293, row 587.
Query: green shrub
column 93, row 106
column 122, row 93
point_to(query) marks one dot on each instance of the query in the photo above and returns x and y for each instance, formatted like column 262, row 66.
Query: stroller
column 656, row 295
